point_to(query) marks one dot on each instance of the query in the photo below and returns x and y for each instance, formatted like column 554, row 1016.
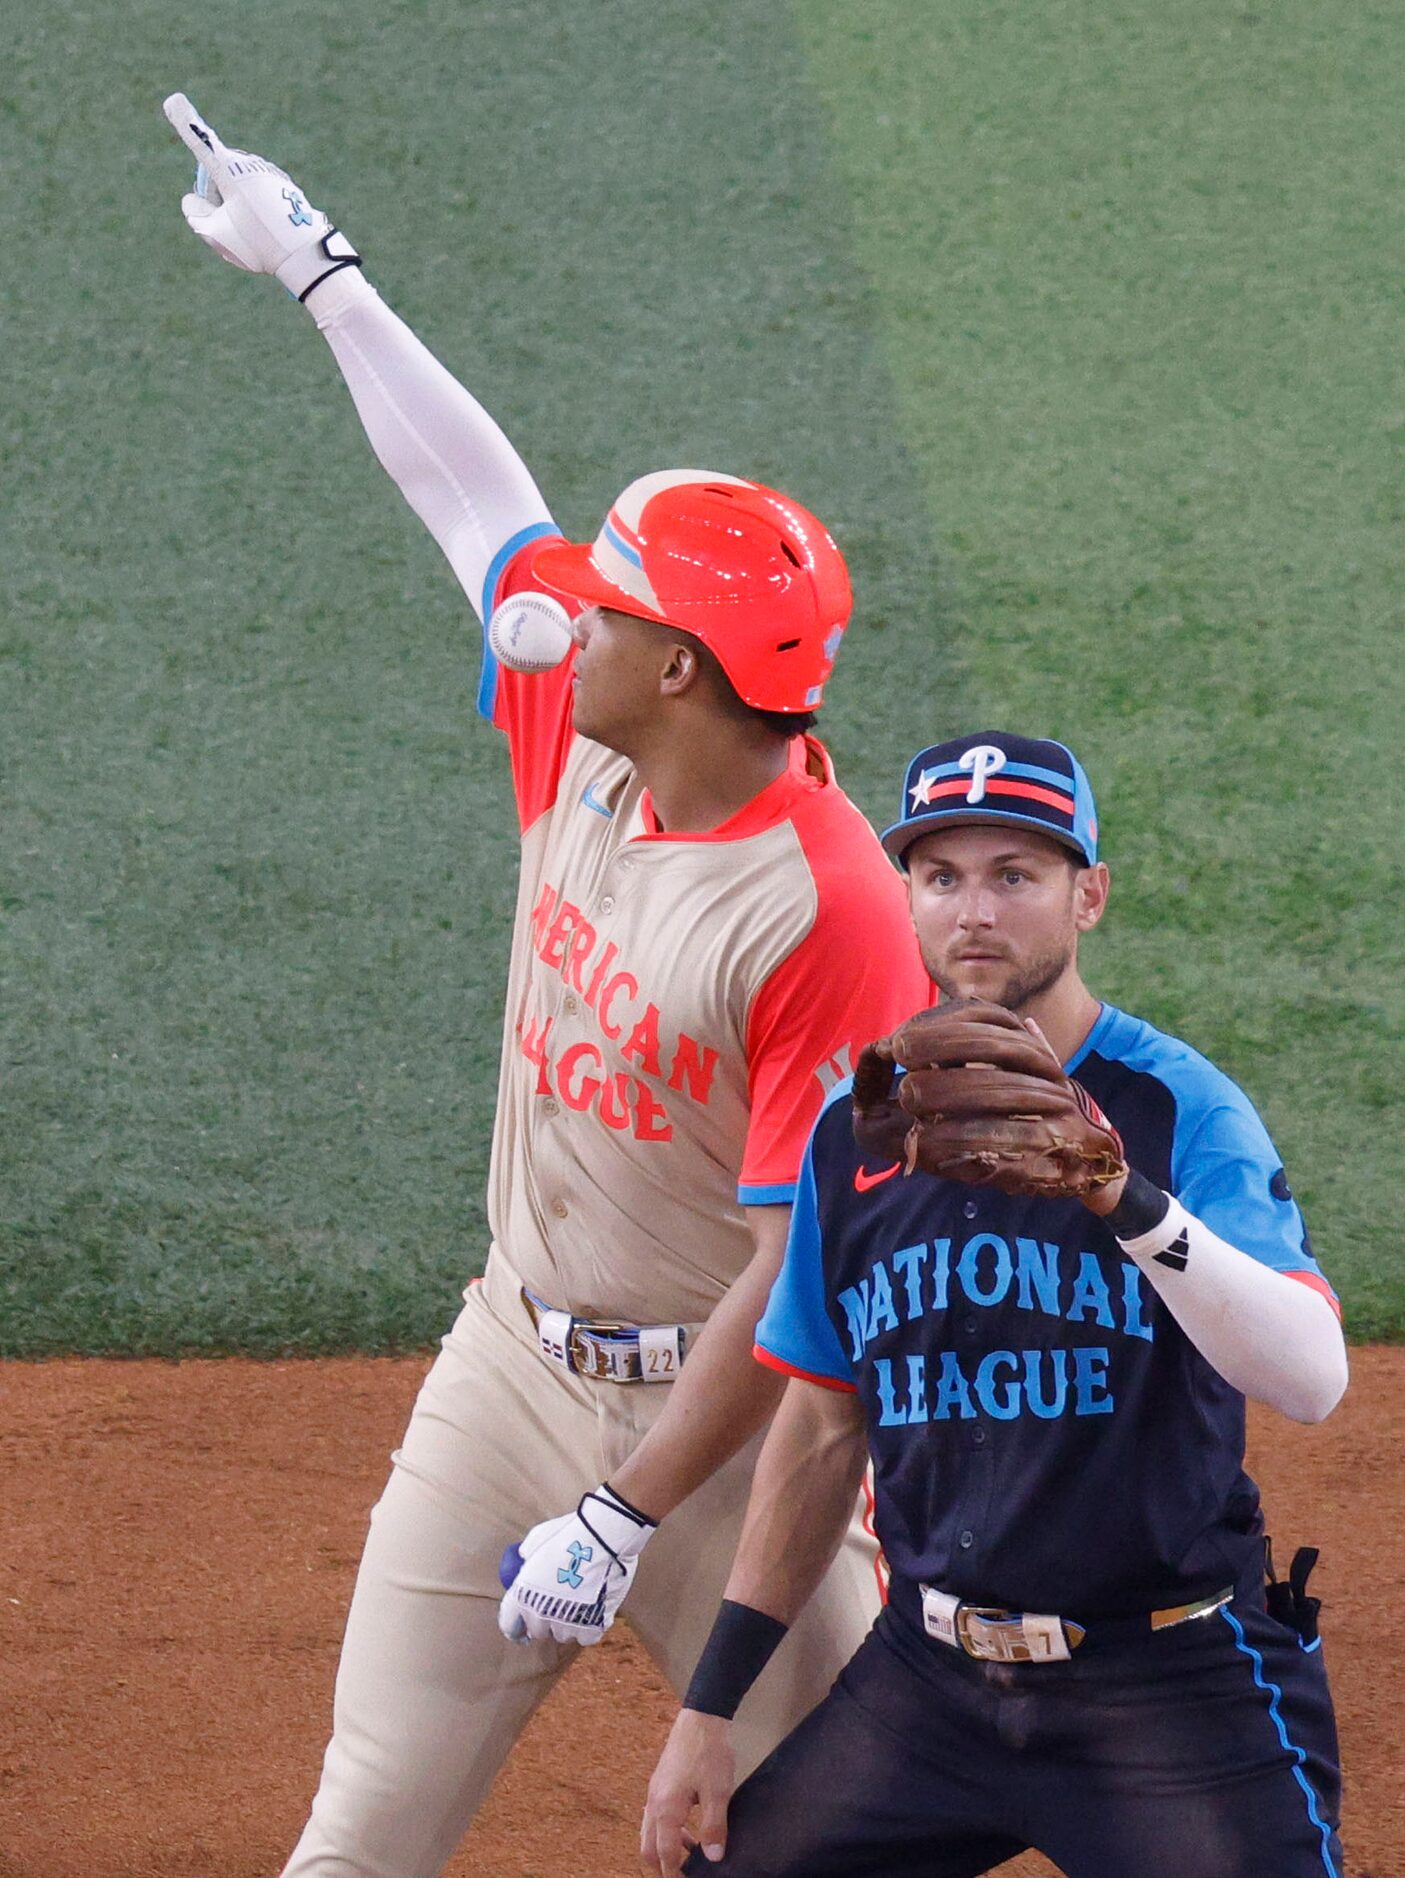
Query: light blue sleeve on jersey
column 795, row 1327
column 501, row 561
column 1227, row 1172
column 782, row 1194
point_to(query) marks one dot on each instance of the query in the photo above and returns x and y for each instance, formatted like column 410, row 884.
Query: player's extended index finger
column 202, row 141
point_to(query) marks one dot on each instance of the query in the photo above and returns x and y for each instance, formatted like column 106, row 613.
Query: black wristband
column 1143, row 1206
column 742, row 1643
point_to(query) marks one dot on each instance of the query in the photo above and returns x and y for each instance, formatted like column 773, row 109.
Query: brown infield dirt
column 179, row 1546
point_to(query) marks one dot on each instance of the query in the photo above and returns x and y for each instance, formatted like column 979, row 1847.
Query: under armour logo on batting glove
column 567, row 1578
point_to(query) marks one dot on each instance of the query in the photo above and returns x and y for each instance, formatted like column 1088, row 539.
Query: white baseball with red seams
column 530, row 632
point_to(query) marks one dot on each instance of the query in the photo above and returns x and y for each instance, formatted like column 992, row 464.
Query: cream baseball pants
column 429, row 1695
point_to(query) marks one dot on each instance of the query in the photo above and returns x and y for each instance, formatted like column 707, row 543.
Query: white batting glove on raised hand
column 567, row 1578
column 252, row 213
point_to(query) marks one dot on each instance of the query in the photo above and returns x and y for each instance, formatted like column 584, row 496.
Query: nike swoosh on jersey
column 592, row 801
column 863, row 1181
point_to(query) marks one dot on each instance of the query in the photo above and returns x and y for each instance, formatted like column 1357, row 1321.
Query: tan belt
column 1000, row 1636
column 604, row 1350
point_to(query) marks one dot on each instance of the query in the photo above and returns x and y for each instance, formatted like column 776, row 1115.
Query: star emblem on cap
column 921, row 790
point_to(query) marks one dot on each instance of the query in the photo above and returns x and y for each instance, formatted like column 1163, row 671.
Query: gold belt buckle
column 994, row 1635
column 999, row 1636
column 606, row 1349
column 595, row 1358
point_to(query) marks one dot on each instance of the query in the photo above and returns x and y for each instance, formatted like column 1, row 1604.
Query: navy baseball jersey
column 1044, row 1437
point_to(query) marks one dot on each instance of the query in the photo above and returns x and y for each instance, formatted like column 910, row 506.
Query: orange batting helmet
column 754, row 576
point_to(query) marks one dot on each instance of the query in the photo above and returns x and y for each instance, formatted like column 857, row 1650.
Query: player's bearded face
column 995, row 912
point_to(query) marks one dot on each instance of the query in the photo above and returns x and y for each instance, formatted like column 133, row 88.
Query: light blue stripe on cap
column 621, row 546
column 1029, row 772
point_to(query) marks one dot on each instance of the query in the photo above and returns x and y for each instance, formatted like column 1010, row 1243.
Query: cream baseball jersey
column 677, row 1007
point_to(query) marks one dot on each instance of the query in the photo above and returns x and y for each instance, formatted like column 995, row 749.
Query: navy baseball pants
column 1204, row 1751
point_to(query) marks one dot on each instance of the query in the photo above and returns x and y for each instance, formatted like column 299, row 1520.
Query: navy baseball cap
column 994, row 777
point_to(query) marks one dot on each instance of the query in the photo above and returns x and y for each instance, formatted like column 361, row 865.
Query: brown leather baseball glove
column 985, row 1101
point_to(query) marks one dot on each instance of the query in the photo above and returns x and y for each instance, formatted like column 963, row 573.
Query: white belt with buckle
column 607, row 1352
column 998, row 1636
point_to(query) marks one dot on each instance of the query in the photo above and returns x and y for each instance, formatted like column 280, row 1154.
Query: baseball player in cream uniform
column 706, row 932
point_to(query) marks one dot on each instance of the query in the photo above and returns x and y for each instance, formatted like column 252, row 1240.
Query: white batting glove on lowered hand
column 252, row 213
column 567, row 1578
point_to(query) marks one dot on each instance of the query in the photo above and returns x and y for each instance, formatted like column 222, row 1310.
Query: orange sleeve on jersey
column 778, row 1363
column 856, row 975
column 1316, row 1282
column 533, row 709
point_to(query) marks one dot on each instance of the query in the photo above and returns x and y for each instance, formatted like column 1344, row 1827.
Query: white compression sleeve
column 453, row 465
column 1276, row 1340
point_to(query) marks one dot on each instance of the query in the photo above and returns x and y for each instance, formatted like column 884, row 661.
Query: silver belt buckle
column 1188, row 1613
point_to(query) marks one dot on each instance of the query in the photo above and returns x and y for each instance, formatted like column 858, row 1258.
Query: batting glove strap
column 310, row 266
column 621, row 1528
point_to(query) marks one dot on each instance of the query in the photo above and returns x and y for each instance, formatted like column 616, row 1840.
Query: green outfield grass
column 1142, row 317
column 1074, row 325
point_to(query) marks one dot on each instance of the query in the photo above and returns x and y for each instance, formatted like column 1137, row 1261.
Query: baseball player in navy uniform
column 1084, row 1649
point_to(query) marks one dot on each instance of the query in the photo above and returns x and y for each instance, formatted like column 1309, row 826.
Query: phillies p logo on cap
column 996, row 777
column 981, row 761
